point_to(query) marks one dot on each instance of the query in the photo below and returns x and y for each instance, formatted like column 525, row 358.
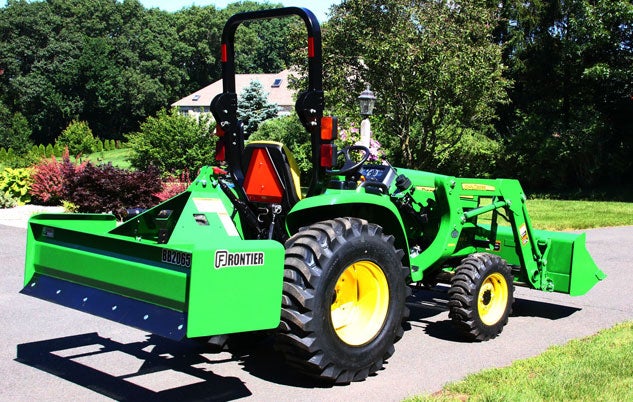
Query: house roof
column 280, row 94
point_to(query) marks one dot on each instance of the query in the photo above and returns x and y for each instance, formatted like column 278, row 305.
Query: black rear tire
column 343, row 300
column 481, row 296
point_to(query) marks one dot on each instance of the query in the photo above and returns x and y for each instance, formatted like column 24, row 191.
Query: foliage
column 49, row 151
column 173, row 185
column 78, row 138
column 7, row 201
column 51, row 178
column 14, row 130
column 105, row 188
column 433, row 66
column 15, row 184
column 172, row 143
column 351, row 136
column 441, row 70
column 261, row 46
column 569, row 126
column 474, row 155
column 113, row 63
column 289, row 131
column 253, row 107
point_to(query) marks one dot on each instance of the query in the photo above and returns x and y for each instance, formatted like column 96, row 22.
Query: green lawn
column 566, row 215
column 597, row 368
column 118, row 157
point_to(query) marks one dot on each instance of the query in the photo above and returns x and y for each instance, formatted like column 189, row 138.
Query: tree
column 113, row 63
column 78, row 138
column 433, row 65
column 253, row 107
column 105, row 62
column 572, row 64
column 261, row 46
column 14, row 131
column 173, row 143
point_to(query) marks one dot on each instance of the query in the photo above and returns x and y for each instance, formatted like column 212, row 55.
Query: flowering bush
column 173, row 186
column 50, row 178
column 351, row 136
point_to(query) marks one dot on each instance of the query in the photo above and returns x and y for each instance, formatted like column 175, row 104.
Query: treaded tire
column 481, row 296
column 317, row 257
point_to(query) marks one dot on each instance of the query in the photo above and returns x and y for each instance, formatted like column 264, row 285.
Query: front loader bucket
column 569, row 264
column 189, row 274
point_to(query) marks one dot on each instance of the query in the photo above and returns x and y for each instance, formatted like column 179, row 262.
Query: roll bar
column 309, row 105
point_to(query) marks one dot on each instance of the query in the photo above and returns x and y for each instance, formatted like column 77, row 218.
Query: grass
column 118, row 157
column 567, row 215
column 597, row 368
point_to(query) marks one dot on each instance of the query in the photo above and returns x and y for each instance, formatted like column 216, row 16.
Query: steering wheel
column 350, row 166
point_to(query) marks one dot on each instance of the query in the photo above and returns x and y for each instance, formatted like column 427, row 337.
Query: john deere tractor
column 329, row 269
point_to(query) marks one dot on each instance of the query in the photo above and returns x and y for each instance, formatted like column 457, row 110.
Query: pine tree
column 253, row 107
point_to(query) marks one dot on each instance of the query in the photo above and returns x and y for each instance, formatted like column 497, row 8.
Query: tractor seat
column 271, row 174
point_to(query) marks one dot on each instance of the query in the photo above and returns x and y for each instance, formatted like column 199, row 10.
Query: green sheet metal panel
column 235, row 286
column 121, row 266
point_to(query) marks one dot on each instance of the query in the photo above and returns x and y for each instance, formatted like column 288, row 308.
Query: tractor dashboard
column 379, row 177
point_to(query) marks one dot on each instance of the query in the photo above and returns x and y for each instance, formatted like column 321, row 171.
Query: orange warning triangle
column 262, row 183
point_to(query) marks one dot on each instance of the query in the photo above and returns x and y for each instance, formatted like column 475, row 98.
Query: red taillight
column 327, row 155
column 328, row 128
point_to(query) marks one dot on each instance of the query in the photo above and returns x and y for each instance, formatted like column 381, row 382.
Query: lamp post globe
column 367, row 100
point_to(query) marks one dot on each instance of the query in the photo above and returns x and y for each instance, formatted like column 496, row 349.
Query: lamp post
column 367, row 100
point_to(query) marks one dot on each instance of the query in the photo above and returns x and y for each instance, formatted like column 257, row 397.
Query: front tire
column 343, row 300
column 481, row 296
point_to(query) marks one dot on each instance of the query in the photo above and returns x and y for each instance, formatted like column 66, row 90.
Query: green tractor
column 243, row 249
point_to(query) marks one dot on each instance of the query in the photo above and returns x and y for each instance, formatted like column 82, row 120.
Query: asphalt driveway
column 56, row 354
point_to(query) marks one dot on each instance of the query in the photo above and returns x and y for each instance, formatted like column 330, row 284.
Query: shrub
column 58, row 149
column 15, row 131
column 78, row 138
column 49, row 151
column 173, row 186
column 7, row 201
column 16, row 183
column 351, row 136
column 50, row 179
column 172, row 143
column 99, row 145
column 106, row 188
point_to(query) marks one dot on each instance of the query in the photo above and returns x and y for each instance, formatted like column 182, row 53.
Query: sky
column 318, row 7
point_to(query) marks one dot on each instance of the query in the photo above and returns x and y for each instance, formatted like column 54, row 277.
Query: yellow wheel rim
column 493, row 298
column 360, row 304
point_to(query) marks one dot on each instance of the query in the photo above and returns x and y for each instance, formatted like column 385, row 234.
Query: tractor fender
column 377, row 209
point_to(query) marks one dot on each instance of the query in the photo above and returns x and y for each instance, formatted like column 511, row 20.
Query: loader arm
column 548, row 261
